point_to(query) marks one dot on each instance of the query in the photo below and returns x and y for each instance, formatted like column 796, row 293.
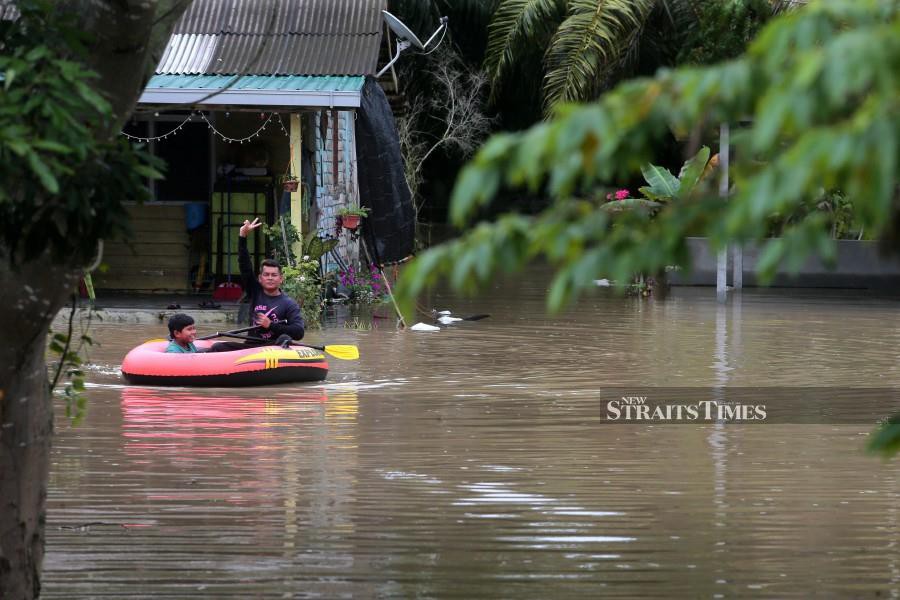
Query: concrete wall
column 859, row 265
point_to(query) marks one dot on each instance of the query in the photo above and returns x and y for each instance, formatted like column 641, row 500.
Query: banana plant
column 663, row 186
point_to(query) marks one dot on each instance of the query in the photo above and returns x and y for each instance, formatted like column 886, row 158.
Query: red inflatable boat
column 150, row 364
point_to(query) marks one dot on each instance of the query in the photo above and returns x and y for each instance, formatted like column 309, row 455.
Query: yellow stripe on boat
column 272, row 355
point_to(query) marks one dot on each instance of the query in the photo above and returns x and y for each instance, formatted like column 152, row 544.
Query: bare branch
column 457, row 104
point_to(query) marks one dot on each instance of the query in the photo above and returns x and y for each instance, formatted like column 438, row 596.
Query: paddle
column 226, row 333
column 337, row 351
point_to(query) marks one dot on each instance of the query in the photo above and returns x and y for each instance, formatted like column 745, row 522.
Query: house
column 248, row 93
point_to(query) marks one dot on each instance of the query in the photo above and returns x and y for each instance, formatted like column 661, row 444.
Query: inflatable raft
column 150, row 364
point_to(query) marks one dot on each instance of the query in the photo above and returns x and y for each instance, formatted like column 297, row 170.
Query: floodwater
column 476, row 463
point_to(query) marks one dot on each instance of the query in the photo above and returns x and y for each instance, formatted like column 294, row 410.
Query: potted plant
column 290, row 183
column 349, row 218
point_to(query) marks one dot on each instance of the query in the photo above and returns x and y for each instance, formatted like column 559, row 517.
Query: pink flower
column 622, row 194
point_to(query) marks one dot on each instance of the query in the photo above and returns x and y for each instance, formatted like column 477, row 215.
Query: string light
column 224, row 137
column 159, row 137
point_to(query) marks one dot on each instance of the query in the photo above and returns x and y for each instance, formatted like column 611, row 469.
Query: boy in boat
column 182, row 334
column 276, row 315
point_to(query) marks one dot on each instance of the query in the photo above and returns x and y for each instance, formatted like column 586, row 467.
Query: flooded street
column 475, row 462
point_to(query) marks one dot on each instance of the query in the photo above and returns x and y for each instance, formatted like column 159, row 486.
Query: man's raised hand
column 247, row 227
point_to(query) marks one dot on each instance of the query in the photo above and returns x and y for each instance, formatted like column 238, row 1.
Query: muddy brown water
column 471, row 463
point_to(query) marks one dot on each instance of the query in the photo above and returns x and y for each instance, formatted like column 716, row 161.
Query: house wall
column 163, row 247
column 333, row 194
column 157, row 258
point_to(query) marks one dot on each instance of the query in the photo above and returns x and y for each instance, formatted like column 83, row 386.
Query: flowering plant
column 363, row 287
column 302, row 284
column 619, row 195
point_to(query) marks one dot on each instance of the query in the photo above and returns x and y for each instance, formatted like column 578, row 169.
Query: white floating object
column 602, row 282
column 424, row 327
column 448, row 320
column 443, row 312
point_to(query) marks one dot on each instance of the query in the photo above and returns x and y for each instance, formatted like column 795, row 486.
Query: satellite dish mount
column 406, row 38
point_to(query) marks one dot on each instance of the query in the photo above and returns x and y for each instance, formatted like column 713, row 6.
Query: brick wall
column 333, row 194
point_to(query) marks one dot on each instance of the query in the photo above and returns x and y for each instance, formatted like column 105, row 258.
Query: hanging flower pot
column 349, row 218
column 350, row 221
column 291, row 185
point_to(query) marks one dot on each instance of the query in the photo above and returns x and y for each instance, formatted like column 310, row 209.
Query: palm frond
column 590, row 41
column 517, row 27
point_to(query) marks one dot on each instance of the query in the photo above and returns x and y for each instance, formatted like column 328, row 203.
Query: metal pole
column 737, row 263
column 722, row 262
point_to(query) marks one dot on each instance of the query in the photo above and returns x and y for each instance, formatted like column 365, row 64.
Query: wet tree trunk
column 127, row 39
column 31, row 298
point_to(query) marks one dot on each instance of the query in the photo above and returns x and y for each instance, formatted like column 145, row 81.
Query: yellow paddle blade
column 343, row 352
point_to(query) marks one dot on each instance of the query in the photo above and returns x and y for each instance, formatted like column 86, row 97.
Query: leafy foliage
column 588, row 45
column 302, row 278
column 820, row 90
column 722, row 30
column 62, row 188
column 70, row 352
column 303, row 284
column 664, row 186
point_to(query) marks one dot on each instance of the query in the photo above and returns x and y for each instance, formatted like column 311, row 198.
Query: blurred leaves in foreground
column 814, row 105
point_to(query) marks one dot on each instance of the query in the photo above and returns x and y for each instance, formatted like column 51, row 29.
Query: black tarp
column 389, row 230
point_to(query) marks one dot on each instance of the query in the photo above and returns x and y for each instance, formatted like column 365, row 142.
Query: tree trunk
column 26, row 417
column 126, row 38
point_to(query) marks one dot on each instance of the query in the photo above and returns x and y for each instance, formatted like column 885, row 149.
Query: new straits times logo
column 636, row 408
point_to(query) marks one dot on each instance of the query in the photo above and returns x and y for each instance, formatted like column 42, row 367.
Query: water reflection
column 187, row 426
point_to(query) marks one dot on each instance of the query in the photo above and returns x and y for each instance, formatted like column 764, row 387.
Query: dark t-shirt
column 281, row 309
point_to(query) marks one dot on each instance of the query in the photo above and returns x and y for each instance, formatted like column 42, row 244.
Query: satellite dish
column 401, row 30
column 406, row 38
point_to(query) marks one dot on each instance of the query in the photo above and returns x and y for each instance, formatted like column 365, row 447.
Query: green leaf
column 92, row 97
column 474, row 187
column 662, row 183
column 37, row 53
column 52, row 146
column 46, row 177
column 8, row 78
column 148, row 172
column 691, row 172
column 18, row 147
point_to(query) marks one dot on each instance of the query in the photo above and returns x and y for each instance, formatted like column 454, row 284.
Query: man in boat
column 182, row 333
column 276, row 315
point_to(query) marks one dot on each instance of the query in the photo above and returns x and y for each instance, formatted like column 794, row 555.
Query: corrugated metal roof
column 276, row 37
column 340, row 83
column 322, row 17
